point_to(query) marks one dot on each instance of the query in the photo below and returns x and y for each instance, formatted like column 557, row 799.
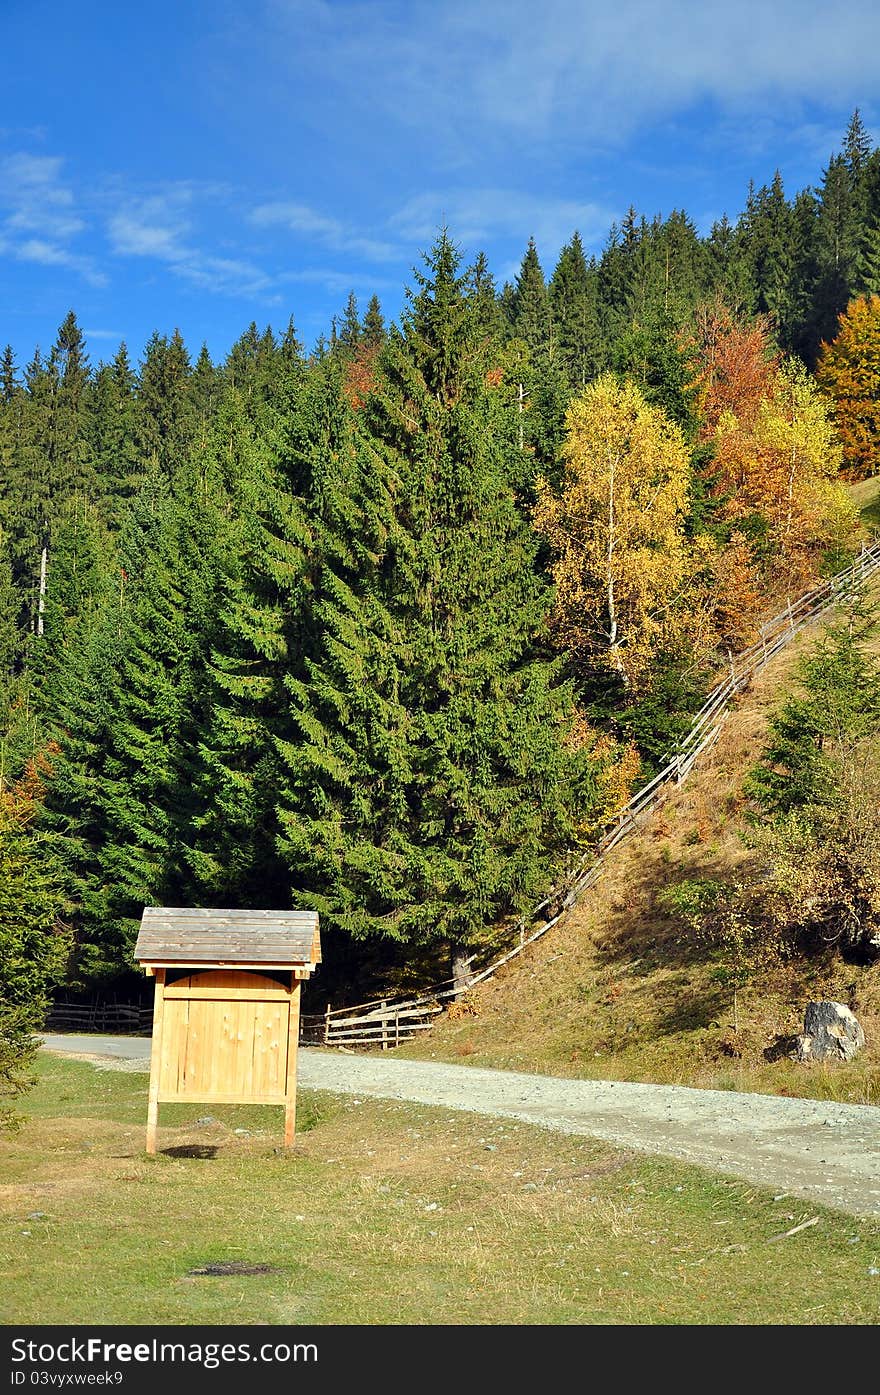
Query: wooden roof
column 189, row 935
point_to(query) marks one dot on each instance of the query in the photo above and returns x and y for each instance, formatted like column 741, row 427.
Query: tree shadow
column 781, row 1048
column 203, row 1151
column 644, row 936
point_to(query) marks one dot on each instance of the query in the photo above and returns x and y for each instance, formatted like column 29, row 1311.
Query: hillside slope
column 618, row 991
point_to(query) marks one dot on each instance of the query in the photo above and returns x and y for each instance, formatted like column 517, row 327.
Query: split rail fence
column 122, row 1018
column 388, row 1021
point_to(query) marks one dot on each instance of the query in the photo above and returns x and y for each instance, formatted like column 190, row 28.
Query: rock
column 831, row 1033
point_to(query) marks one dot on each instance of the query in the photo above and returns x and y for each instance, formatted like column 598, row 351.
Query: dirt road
column 829, row 1153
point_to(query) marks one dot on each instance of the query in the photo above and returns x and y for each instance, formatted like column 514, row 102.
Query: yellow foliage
column 783, row 463
column 617, row 766
column 738, row 593
column 849, row 371
column 616, row 527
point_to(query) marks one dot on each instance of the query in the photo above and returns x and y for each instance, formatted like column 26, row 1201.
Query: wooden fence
column 115, row 1018
column 388, row 1021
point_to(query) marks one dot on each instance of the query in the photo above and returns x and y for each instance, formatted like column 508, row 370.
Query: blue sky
column 203, row 163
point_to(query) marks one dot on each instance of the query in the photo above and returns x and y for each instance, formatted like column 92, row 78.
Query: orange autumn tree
column 735, row 361
column 773, row 473
column 781, row 466
column 849, row 372
column 736, row 597
column 360, row 374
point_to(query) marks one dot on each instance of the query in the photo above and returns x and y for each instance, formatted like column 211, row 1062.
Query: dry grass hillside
column 618, row 989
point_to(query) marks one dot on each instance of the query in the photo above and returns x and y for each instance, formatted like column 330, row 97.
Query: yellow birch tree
column 616, row 529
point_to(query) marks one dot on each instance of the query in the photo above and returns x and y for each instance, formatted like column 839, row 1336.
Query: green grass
column 391, row 1213
column 866, row 496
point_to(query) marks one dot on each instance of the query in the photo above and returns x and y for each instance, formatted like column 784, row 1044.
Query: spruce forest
column 388, row 628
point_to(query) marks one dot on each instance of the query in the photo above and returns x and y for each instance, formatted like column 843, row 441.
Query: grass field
column 866, row 496
column 389, row 1213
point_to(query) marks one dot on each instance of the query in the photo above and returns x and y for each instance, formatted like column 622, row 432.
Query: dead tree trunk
column 461, row 973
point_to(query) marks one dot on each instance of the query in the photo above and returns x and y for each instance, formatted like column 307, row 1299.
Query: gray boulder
column 831, row 1033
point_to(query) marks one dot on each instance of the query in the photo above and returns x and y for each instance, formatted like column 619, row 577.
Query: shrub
column 33, row 943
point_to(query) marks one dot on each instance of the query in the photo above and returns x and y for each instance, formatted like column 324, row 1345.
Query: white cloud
column 49, row 254
column 573, row 70
column 40, row 216
column 155, row 226
column 132, row 237
column 318, row 227
column 35, row 198
column 479, row 216
column 161, row 227
column 227, row 276
column 339, row 283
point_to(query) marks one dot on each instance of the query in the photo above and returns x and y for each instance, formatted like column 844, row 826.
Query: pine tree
column 374, row 324
column 837, row 248
column 70, row 465
column 573, row 298
column 544, row 381
column 532, row 321
column 79, row 575
column 33, row 943
column 114, row 428
column 656, row 361
column 507, row 304
column 204, row 392
column 856, row 146
column 428, row 789
column 165, row 414
column 125, row 711
column 767, row 230
column 486, row 300
column 349, row 332
column 8, row 376
column 49, row 467
column 868, row 267
column 260, row 536
column 729, row 272
column 615, row 278
column 796, row 333
column 682, row 263
column 838, row 708
column 10, row 654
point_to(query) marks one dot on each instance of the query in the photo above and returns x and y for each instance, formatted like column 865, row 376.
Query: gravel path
column 824, row 1152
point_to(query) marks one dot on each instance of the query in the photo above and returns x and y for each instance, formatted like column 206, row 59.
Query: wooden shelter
column 226, row 1012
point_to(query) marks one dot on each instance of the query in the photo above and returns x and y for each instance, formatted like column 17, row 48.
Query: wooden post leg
column 152, row 1122
column 155, row 1062
column 292, row 1047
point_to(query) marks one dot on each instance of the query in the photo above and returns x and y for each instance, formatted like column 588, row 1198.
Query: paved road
column 828, row 1153
column 116, row 1048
